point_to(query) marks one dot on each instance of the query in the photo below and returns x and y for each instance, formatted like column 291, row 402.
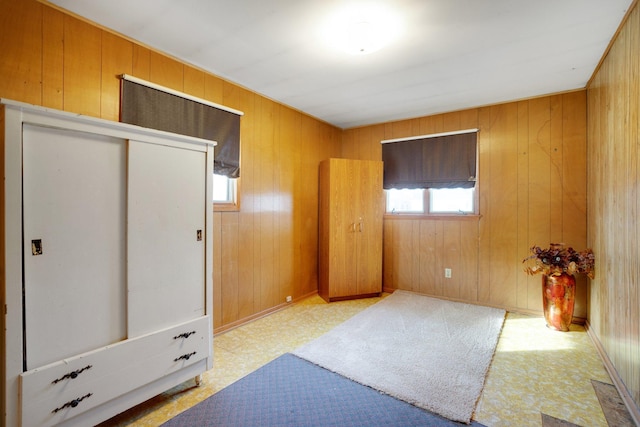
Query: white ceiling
column 449, row 55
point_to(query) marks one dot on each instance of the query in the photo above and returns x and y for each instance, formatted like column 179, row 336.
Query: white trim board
column 180, row 94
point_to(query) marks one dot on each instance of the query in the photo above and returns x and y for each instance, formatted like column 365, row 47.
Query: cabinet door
column 165, row 236
column 74, row 206
column 370, row 211
column 343, row 218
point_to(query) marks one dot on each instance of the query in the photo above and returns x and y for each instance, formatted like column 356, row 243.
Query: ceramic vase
column 558, row 299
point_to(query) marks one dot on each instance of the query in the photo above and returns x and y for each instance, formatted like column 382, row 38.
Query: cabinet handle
column 71, row 375
column 72, row 403
column 184, row 335
column 184, row 356
column 36, row 247
column 361, row 225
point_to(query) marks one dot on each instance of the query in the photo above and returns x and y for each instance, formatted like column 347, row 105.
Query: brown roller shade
column 447, row 161
column 153, row 108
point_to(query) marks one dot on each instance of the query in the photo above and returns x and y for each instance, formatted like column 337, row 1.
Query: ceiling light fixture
column 361, row 29
column 363, row 37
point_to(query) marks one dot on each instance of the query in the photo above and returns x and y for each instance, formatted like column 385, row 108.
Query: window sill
column 226, row 207
column 445, row 217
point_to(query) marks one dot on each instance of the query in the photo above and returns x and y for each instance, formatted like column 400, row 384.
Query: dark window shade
column 433, row 162
column 149, row 107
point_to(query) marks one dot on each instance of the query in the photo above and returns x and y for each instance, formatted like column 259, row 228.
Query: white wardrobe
column 108, row 265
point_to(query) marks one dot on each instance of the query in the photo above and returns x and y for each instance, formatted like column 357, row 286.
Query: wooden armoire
column 350, row 229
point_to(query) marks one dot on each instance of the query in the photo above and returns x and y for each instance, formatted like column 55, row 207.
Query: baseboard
column 528, row 312
column 362, row 296
column 631, row 405
column 260, row 315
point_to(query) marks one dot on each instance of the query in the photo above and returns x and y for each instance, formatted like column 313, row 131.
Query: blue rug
column 293, row 392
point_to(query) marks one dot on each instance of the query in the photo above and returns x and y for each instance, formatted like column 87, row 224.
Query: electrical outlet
column 447, row 273
column 289, row 299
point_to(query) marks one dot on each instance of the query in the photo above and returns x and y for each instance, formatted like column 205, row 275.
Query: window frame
column 427, row 208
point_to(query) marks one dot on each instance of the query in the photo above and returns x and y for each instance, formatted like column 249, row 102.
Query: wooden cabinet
column 351, row 212
column 108, row 265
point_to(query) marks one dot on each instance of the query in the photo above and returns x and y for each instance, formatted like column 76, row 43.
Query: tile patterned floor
column 537, row 370
column 534, row 369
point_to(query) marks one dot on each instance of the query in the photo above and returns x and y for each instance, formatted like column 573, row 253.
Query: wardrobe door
column 370, row 212
column 74, row 247
column 344, row 227
column 165, row 236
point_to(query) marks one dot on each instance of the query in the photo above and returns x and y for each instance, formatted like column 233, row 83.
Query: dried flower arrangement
column 557, row 259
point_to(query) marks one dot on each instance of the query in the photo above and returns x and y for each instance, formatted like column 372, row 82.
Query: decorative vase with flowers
column 558, row 265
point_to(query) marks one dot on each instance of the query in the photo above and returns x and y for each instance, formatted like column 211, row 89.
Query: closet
column 108, row 265
column 350, row 229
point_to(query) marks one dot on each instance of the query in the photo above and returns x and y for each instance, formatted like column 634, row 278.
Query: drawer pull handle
column 184, row 335
column 72, row 403
column 71, row 375
column 184, row 356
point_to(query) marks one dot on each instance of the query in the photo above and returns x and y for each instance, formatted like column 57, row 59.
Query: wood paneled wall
column 614, row 203
column 264, row 252
column 531, row 188
column 532, row 178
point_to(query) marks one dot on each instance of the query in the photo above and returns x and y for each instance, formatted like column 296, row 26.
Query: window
column 224, row 193
column 451, row 200
column 405, row 200
column 220, row 188
column 437, row 201
column 431, row 174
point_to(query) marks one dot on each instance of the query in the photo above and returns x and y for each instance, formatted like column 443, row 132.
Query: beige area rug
column 429, row 352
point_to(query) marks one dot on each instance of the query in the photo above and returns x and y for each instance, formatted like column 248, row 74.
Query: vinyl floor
column 535, row 370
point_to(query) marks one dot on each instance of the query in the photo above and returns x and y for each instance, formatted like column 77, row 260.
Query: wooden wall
column 264, row 252
column 532, row 190
column 614, row 204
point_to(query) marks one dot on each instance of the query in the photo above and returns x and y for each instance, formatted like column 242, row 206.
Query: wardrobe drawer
column 64, row 389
